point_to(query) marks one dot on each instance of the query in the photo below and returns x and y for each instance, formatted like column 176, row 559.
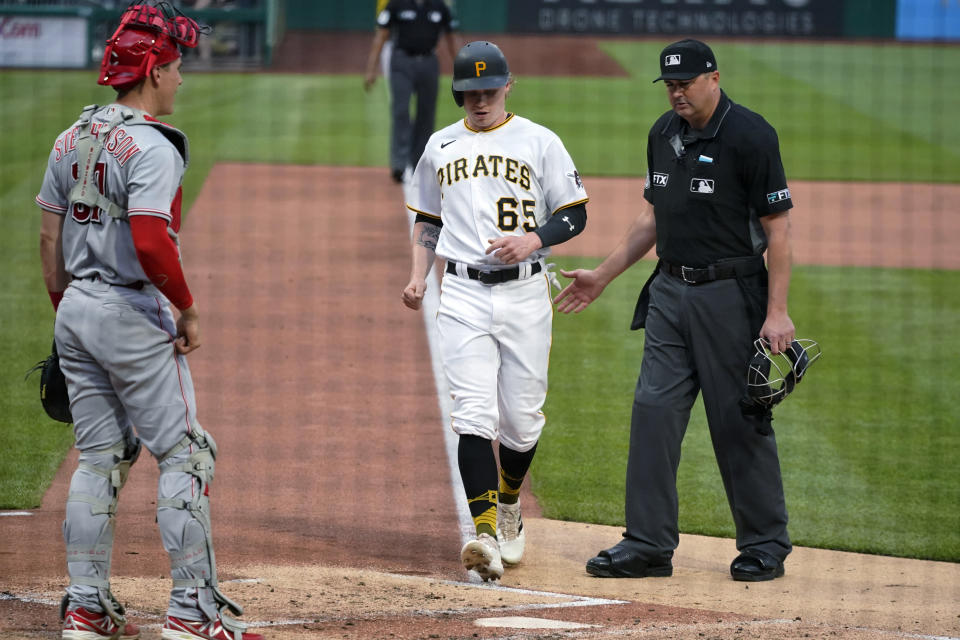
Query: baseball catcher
column 111, row 214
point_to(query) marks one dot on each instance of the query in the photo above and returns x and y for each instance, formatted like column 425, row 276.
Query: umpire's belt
column 492, row 277
column 717, row 271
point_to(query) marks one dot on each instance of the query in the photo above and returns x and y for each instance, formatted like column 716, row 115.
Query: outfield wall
column 70, row 34
column 905, row 19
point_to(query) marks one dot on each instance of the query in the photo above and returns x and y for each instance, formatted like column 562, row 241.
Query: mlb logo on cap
column 685, row 60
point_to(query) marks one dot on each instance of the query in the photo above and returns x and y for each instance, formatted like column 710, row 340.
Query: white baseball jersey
column 140, row 169
column 488, row 184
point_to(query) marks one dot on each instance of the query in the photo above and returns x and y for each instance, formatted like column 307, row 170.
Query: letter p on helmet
column 480, row 66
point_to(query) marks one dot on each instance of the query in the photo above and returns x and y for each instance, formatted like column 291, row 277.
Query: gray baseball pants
column 127, row 385
column 699, row 338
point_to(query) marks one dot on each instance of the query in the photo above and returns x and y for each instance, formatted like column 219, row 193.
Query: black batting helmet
column 478, row 65
column 771, row 377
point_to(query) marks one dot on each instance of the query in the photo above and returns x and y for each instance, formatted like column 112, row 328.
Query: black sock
column 513, row 468
column 478, row 471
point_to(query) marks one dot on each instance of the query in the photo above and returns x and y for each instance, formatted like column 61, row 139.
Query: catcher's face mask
column 164, row 19
column 148, row 35
column 770, row 378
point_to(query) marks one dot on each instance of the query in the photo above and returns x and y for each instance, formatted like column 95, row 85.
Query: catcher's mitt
column 53, row 387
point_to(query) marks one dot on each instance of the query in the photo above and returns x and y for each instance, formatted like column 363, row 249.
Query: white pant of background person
column 495, row 348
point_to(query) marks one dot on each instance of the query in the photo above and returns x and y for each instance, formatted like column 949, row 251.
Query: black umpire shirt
column 416, row 26
column 709, row 188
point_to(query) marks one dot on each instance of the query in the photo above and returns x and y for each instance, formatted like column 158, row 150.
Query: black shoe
column 754, row 565
column 397, row 175
column 619, row 562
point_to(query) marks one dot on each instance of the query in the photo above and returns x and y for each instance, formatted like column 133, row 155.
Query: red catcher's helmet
column 148, row 36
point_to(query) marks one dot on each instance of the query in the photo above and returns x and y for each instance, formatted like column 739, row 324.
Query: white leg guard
column 89, row 526
column 183, row 514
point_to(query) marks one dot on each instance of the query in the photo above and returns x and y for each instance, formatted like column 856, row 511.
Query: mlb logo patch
column 778, row 196
column 701, row 185
column 660, row 179
column 671, row 60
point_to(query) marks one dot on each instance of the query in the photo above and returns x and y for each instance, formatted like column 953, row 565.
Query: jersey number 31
column 81, row 212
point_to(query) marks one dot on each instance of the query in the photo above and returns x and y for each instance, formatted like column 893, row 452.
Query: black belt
column 139, row 284
column 417, row 54
column 492, row 277
column 717, row 271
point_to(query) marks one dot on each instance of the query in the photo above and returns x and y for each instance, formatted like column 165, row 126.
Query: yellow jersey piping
column 429, row 215
column 572, row 204
column 469, row 128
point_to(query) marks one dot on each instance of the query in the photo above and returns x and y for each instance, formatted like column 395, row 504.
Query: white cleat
column 483, row 556
column 510, row 533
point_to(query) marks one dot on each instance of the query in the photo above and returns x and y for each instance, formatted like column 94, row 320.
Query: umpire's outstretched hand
column 576, row 296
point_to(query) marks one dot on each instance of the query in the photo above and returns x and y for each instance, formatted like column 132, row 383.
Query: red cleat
column 83, row 624
column 177, row 629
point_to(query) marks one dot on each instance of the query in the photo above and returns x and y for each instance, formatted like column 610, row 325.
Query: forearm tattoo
column 429, row 236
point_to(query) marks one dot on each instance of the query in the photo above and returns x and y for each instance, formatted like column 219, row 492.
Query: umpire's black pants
column 700, row 338
column 411, row 74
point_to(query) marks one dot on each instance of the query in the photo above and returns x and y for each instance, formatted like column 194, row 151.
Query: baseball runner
column 491, row 194
column 110, row 203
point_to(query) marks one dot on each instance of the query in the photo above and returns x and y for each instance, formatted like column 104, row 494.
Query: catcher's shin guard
column 183, row 513
column 89, row 526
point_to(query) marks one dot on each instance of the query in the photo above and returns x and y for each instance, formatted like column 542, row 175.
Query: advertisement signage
column 928, row 19
column 748, row 18
column 38, row 41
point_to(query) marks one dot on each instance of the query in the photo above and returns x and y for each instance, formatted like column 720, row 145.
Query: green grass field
column 867, row 442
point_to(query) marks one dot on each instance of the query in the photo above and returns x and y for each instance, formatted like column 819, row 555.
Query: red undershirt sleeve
column 55, row 298
column 160, row 259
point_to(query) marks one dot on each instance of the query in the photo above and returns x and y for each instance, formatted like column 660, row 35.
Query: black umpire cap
column 686, row 59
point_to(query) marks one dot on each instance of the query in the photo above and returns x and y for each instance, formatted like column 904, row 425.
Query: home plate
column 519, row 622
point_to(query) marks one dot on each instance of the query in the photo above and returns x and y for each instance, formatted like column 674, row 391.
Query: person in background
column 414, row 27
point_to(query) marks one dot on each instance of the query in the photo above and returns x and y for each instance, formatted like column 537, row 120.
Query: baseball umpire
column 719, row 200
column 491, row 194
column 414, row 27
column 110, row 204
